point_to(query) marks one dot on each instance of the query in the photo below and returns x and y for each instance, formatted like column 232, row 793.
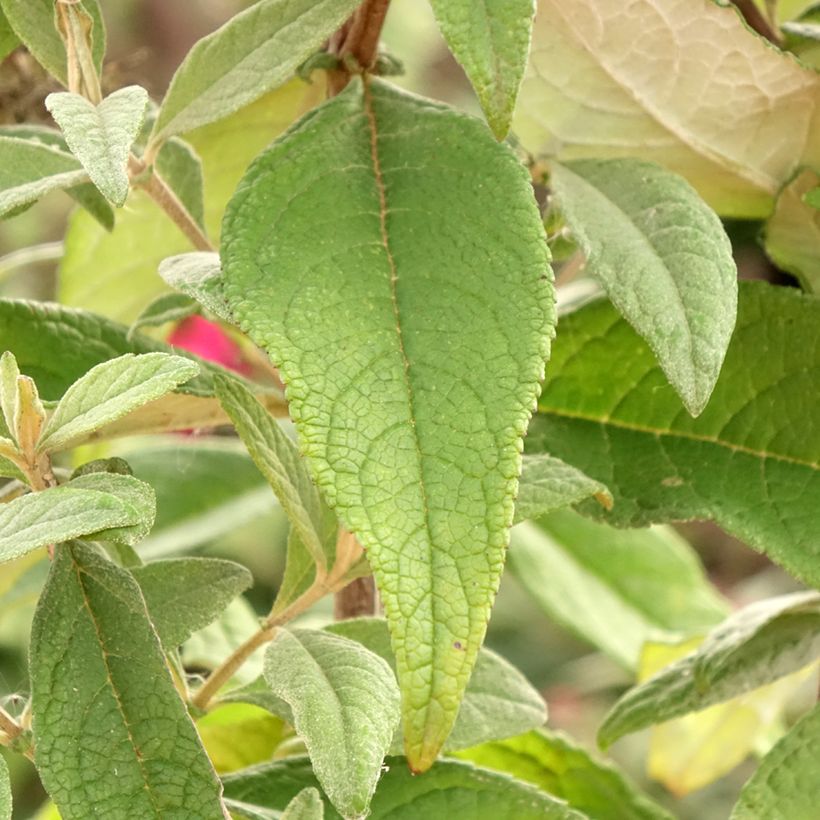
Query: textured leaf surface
column 760, row 434
column 345, row 704
column 548, row 484
column 254, row 52
column 5, row 791
column 307, row 805
column 109, row 391
column 33, row 22
column 169, row 307
column 655, row 78
column 555, row 763
column 664, row 259
column 198, row 276
column 785, row 785
column 384, row 357
column 499, row 700
column 756, row 645
column 101, row 136
column 97, row 742
column 186, row 594
column 491, row 40
column 450, row 789
column 613, row 588
column 30, row 170
column 792, row 232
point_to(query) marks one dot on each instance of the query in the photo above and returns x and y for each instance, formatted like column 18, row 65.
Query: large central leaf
column 410, row 317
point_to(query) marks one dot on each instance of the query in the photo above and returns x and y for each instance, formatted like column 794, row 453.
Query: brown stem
column 156, row 187
column 756, row 20
column 359, row 596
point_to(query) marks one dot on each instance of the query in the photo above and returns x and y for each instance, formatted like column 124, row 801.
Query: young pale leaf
column 555, row 763
column 413, row 446
column 760, row 434
column 109, row 391
column 664, row 259
column 345, row 704
column 613, row 588
column 9, row 396
column 792, row 232
column 499, row 700
column 184, row 595
column 756, row 645
column 5, row 791
column 96, row 742
column 30, row 170
column 169, row 307
column 101, row 136
column 254, row 52
column 609, row 78
column 307, row 805
column 451, row 788
column 547, row 485
column 785, row 785
column 491, row 40
column 199, row 276
column 33, row 22
column 50, row 517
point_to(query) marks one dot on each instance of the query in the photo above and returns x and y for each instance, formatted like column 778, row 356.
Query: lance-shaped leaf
column 199, row 276
column 307, row 805
column 109, row 391
column 555, row 763
column 8, row 42
column 548, row 484
column 30, row 170
column 101, row 136
column 345, row 704
column 254, row 52
column 760, row 434
column 169, row 307
column 651, row 78
column 33, row 22
column 756, row 645
column 5, row 791
column 664, row 259
column 184, row 595
column 491, row 40
column 385, row 354
column 785, row 784
column 96, row 742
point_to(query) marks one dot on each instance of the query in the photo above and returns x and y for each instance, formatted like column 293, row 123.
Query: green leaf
column 450, row 789
column 499, row 700
column 759, row 435
column 307, row 805
column 664, row 259
column 199, row 276
column 5, row 791
column 547, row 484
column 180, row 167
column 109, row 391
column 29, row 170
column 756, row 645
column 785, row 785
column 169, row 307
column 613, row 588
column 8, row 42
column 101, row 136
column 33, row 22
column 345, row 704
column 186, row 594
column 416, row 449
column 607, row 80
column 278, row 459
column 792, row 232
column 254, row 52
column 52, row 516
column 812, row 198
column 491, row 40
column 555, row 763
column 9, row 396
column 96, row 742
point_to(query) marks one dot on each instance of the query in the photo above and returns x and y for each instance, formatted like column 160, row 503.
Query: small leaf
column 8, row 42
column 101, row 136
column 184, row 595
column 785, row 785
column 307, row 805
column 180, row 167
column 9, row 399
column 756, row 645
column 555, row 763
column 199, row 276
column 109, row 391
column 254, row 52
column 96, row 742
column 491, row 40
column 5, row 791
column 548, row 484
column 345, row 704
column 169, row 307
column 614, row 588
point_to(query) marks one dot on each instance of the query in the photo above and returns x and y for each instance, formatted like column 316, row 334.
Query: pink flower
column 209, row 341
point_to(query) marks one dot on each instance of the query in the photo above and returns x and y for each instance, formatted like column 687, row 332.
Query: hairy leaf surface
column 307, row 805
column 5, row 791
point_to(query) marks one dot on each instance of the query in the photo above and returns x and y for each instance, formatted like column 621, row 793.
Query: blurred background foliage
column 213, row 501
